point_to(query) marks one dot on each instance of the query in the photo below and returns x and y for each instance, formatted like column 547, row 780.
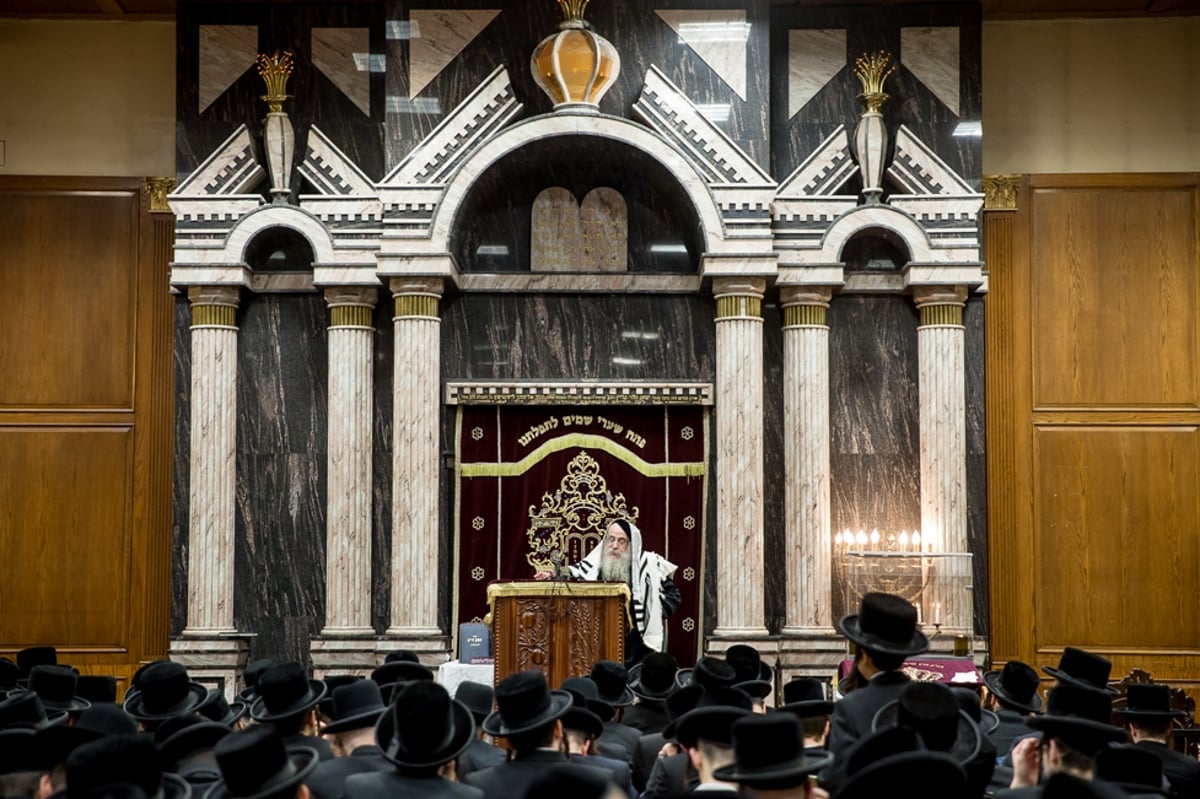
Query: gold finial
column 573, row 12
column 872, row 70
column 275, row 70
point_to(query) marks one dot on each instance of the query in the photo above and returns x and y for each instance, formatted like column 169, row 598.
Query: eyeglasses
column 619, row 541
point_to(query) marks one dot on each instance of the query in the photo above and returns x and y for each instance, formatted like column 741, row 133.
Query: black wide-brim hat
column 710, row 672
column 769, row 753
column 165, row 691
column 355, row 706
column 967, row 740
column 1152, row 702
column 808, row 709
column 525, row 703
column 303, row 760
column 400, row 671
column 457, row 739
column 189, row 740
column 285, row 691
column 712, row 723
column 1082, row 668
column 995, row 685
column 640, row 689
column 584, row 720
column 929, row 773
column 216, row 708
column 19, row 752
column 23, row 710
column 477, row 697
column 886, row 624
column 55, row 686
column 1080, row 733
column 756, row 688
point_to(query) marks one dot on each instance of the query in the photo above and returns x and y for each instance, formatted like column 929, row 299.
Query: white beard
column 616, row 569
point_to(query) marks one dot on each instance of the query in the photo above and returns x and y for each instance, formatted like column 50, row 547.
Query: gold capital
column 158, row 189
column 1000, row 192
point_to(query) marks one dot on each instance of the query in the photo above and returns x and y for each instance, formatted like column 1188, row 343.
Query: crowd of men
column 652, row 731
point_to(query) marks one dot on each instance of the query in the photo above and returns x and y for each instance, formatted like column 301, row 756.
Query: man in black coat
column 581, row 729
column 420, row 736
column 885, row 630
column 1013, row 697
column 482, row 753
column 651, row 681
column 529, row 715
column 1148, row 717
column 356, row 708
column 612, row 686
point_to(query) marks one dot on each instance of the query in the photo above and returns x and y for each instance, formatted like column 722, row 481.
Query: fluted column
column 806, row 459
column 348, row 493
column 943, row 420
column 213, row 475
column 415, row 458
column 739, row 444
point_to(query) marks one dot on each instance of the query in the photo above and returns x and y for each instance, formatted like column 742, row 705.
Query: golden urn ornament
column 575, row 66
column 279, row 141
column 870, row 136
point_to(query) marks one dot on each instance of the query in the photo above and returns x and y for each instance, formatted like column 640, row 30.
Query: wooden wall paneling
column 85, row 419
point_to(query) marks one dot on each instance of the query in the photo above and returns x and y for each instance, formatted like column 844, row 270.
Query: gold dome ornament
column 575, row 66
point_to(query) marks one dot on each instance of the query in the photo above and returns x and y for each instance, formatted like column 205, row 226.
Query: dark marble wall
column 182, row 475
column 641, row 37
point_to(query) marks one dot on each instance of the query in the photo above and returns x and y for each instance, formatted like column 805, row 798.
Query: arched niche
column 273, row 220
column 491, row 231
column 279, row 249
column 875, row 250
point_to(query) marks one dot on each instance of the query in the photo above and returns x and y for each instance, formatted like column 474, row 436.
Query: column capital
column 416, row 286
column 158, row 189
column 805, row 295
column 1000, row 192
column 939, row 295
column 214, row 295
column 337, row 296
column 739, row 287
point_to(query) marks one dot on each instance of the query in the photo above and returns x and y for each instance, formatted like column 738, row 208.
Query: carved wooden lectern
column 558, row 628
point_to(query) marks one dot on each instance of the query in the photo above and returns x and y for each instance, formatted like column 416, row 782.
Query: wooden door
column 1094, row 410
column 85, row 421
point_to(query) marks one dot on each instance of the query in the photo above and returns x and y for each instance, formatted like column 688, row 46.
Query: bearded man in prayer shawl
column 619, row 558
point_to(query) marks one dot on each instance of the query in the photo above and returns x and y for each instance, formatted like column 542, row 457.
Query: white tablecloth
column 452, row 673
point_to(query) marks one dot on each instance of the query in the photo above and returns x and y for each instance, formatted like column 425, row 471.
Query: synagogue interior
column 323, row 325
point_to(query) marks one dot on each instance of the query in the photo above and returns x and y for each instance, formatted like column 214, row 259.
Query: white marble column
column 212, row 475
column 416, row 393
column 943, row 420
column 739, row 445
column 806, row 460
column 348, row 493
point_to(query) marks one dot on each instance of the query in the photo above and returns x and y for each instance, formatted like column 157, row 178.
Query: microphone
column 559, row 559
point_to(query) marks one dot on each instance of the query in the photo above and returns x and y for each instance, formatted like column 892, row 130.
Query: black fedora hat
column 424, row 727
column 135, row 682
column 255, row 763
column 55, row 686
column 284, row 691
column 585, row 694
column 403, row 655
column 400, row 671
column 1080, row 716
column 968, row 702
column 56, row 742
column 710, row 673
column 477, row 698
column 1015, row 686
column 32, row 656
column 165, row 691
column 711, row 719
column 753, row 676
column 612, row 681
column 916, row 773
column 10, row 673
column 19, row 752
column 931, row 710
column 583, row 720
column 804, row 697
column 24, row 710
column 1136, row 770
column 121, row 759
column 181, row 736
column 97, row 688
column 355, row 706
column 250, row 677
column 216, row 708
column 524, row 702
column 681, row 700
column 1150, row 701
column 1083, row 668
column 887, row 624
column 769, row 753
column 654, row 677
column 332, row 683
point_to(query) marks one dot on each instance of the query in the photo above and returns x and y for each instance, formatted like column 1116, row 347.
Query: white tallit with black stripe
column 649, row 571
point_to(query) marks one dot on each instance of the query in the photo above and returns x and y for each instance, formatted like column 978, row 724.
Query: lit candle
column 904, row 539
column 837, row 540
column 937, row 613
column 916, row 539
column 874, row 536
column 862, row 538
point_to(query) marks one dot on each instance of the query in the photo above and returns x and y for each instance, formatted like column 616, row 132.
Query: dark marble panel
column 281, row 464
column 182, row 475
column 316, row 99
column 774, row 538
column 977, row 539
column 381, row 487
column 578, row 337
column 911, row 103
column 640, row 36
column 875, row 462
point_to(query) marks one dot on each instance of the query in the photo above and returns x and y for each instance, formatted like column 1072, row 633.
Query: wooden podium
column 559, row 628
